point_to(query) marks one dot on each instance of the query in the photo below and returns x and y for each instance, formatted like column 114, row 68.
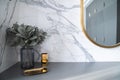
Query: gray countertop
column 68, row 71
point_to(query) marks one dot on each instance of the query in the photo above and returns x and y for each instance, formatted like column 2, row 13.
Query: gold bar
column 35, row 71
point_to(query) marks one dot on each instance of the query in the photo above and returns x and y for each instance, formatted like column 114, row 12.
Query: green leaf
column 25, row 35
column 21, row 30
column 20, row 35
column 22, row 43
column 33, row 43
column 33, row 38
column 15, row 27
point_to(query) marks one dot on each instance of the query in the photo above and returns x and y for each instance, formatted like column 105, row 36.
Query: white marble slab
column 66, row 41
column 8, row 16
column 61, row 20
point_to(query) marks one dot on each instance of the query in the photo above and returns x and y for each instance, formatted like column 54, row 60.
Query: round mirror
column 100, row 21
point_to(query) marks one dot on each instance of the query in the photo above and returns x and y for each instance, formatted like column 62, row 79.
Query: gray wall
column 101, row 25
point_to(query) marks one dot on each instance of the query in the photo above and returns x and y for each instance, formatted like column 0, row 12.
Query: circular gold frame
column 83, row 27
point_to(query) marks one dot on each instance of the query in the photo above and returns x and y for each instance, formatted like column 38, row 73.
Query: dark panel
column 118, row 21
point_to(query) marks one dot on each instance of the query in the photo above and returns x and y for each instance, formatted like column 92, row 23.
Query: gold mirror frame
column 83, row 28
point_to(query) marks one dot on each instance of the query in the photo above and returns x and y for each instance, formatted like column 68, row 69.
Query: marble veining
column 61, row 20
column 61, row 26
column 1, row 26
column 7, row 9
column 52, row 4
column 3, row 46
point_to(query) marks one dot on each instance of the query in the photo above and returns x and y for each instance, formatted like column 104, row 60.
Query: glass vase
column 27, row 57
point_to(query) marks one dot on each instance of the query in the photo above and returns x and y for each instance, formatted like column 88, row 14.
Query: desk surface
column 68, row 71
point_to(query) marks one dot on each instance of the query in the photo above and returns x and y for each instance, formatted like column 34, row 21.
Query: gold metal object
column 83, row 27
column 43, row 69
column 44, row 59
column 35, row 71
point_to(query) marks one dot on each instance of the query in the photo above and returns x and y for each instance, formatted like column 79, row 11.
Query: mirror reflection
column 102, row 21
